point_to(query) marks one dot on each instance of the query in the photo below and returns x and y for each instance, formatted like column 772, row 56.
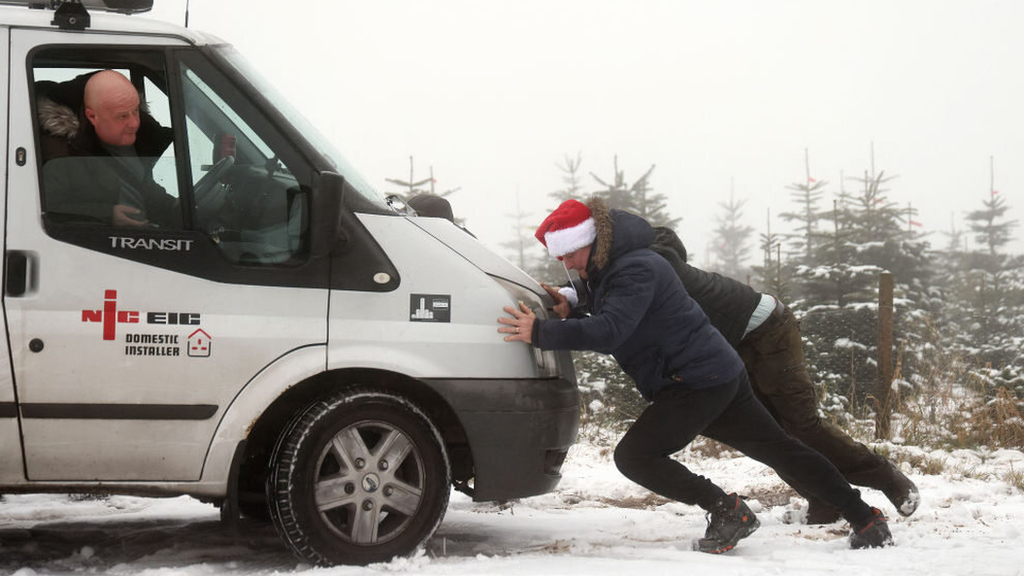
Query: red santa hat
column 567, row 229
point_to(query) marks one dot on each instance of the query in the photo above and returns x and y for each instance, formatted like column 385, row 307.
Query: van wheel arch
column 269, row 426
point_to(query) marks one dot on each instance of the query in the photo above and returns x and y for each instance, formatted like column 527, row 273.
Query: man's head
column 568, row 234
column 112, row 107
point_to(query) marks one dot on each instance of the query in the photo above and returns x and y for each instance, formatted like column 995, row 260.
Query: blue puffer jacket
column 641, row 314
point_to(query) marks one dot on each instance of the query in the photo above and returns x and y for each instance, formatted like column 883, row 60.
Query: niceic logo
column 110, row 316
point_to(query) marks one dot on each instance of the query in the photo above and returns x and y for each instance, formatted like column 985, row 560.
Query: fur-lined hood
column 618, row 232
column 57, row 119
column 61, row 121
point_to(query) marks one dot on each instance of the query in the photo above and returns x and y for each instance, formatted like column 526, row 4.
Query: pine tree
column 773, row 276
column 615, row 192
column 989, row 229
column 651, row 206
column 572, row 188
column 638, row 197
column 731, row 239
column 413, row 187
column 520, row 244
column 806, row 195
column 984, row 290
column 987, row 224
column 870, row 235
column 542, row 265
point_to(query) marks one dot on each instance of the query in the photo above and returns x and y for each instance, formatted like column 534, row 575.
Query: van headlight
column 547, row 362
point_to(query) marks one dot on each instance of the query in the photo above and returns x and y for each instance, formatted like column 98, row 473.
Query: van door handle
column 20, row 273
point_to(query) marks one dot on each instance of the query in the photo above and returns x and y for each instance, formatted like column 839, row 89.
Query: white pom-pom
column 570, row 295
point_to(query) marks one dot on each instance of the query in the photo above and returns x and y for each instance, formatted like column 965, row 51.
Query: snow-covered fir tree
column 839, row 289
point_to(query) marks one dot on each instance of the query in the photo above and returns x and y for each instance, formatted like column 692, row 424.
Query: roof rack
column 72, row 14
column 121, row 6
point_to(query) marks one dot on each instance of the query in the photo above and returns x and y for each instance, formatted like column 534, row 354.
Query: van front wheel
column 358, row 478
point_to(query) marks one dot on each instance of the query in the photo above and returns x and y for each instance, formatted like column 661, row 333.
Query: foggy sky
column 719, row 95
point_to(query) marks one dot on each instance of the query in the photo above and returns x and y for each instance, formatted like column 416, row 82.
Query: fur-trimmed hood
column 618, row 232
column 57, row 119
column 61, row 121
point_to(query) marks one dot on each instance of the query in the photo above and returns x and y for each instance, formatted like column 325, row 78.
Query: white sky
column 493, row 94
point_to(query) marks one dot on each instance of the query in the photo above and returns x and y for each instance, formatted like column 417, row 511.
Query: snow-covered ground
column 596, row 523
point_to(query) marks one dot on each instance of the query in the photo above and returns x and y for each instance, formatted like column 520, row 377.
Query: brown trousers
column 774, row 357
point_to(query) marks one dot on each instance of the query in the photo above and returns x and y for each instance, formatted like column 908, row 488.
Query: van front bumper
column 518, row 431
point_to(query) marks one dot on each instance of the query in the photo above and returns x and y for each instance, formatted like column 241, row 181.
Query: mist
column 721, row 97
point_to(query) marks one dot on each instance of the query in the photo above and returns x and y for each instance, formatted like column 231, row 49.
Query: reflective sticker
column 430, row 308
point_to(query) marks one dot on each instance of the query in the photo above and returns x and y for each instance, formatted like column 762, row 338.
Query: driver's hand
column 125, row 215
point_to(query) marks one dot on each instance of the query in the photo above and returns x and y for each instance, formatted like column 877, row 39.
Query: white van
column 275, row 339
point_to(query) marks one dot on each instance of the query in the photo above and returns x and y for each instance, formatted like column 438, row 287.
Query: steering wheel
column 211, row 178
column 208, row 196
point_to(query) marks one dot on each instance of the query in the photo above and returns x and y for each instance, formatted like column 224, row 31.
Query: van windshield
column 231, row 57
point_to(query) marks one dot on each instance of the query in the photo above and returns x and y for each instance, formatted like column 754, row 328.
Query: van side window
column 244, row 195
column 106, row 147
column 137, row 142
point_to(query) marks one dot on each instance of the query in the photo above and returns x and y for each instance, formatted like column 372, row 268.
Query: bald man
column 103, row 177
column 112, row 107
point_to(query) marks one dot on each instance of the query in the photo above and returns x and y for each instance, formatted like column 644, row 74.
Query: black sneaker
column 728, row 522
column 872, row 532
column 902, row 492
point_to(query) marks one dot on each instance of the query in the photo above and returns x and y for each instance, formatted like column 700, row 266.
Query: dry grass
column 649, row 501
column 1014, row 478
column 772, row 496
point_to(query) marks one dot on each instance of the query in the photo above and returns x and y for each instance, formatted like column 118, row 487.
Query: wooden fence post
column 883, row 387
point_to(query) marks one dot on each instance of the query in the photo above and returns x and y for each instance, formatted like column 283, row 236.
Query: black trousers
column 774, row 358
column 732, row 415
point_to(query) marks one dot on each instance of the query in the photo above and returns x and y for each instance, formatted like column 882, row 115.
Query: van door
column 129, row 341
column 11, row 469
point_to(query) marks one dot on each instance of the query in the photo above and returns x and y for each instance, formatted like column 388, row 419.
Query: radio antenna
column 186, row 13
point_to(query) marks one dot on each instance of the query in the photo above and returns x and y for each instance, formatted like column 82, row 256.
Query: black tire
column 358, row 478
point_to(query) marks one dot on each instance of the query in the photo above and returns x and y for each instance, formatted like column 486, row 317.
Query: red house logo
column 199, row 344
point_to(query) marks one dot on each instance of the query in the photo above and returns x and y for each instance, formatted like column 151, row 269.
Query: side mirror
column 325, row 212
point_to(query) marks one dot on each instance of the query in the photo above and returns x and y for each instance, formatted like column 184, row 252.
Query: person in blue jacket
column 639, row 312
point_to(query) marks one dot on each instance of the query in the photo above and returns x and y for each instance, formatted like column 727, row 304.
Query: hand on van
column 520, row 327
